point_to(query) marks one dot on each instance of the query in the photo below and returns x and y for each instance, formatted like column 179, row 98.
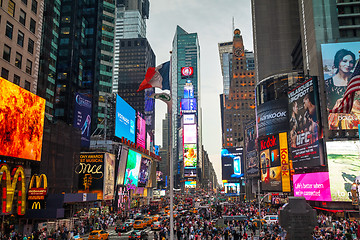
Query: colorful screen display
column 190, row 173
column 188, row 105
column 252, row 160
column 312, row 186
column 232, row 188
column 132, row 168
column 122, row 158
column 82, row 117
column 187, row 71
column 190, row 184
column 22, row 122
column 189, row 118
column 188, row 91
column 108, row 191
column 190, row 156
column 338, row 61
column 140, row 131
column 124, row 120
column 159, row 176
column 232, row 163
column 90, row 173
column 190, row 133
column 145, row 168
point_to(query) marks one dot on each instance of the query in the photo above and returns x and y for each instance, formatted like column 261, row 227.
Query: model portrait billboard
column 190, row 156
column 145, row 168
column 82, row 117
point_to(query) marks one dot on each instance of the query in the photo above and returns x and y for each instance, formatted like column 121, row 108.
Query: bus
column 155, row 206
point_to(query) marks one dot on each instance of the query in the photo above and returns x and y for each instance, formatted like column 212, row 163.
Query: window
column 7, row 53
column 28, row 66
column 31, row 46
column 27, row 85
column 11, row 8
column 16, row 79
column 24, row 1
column 20, row 39
column 22, row 17
column 32, row 25
column 18, row 60
column 9, row 30
column 34, row 6
column 4, row 73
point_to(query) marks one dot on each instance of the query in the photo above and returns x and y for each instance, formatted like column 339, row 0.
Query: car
column 98, row 235
column 156, row 218
column 137, row 234
column 130, row 221
column 156, row 226
column 125, row 227
column 148, row 220
column 139, row 224
column 271, row 219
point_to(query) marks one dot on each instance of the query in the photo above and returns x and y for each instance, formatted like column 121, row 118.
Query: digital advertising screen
column 132, row 168
column 108, row 191
column 304, row 125
column 159, row 176
column 144, row 171
column 190, row 184
column 140, row 131
column 190, row 173
column 312, row 186
column 189, row 118
column 22, row 122
column 190, row 156
column 148, row 141
column 122, row 158
column 188, row 91
column 232, row 188
column 190, row 133
column 124, row 120
column 251, row 157
column 82, row 117
column 188, row 105
column 187, row 72
column 344, row 168
column 338, row 61
column 232, row 163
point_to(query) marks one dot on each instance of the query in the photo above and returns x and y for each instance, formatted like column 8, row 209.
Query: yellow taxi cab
column 139, row 224
column 193, row 210
column 175, row 213
column 98, row 235
column 148, row 221
column 256, row 222
column 156, row 218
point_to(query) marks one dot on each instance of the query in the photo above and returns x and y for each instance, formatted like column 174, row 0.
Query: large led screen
column 140, row 131
column 190, row 156
column 82, row 117
column 232, row 163
column 21, row 122
column 188, row 91
column 145, row 168
column 312, row 186
column 344, row 167
column 124, row 120
column 132, row 168
column 122, row 158
column 189, row 118
column 190, row 173
column 232, row 188
column 272, row 117
column 304, row 125
column 190, row 133
column 108, row 191
column 338, row 63
column 190, row 184
column 251, row 157
column 188, row 105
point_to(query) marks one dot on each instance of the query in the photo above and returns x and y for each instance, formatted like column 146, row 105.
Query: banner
column 109, row 177
column 82, row 117
column 251, row 157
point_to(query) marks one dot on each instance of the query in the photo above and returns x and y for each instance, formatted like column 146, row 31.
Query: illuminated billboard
column 188, row 105
column 251, row 157
column 304, row 125
column 188, row 91
column 159, row 176
column 272, row 117
column 121, row 158
column 140, row 131
column 145, row 168
column 232, row 188
column 189, row 118
column 344, row 167
column 82, row 117
column 109, row 174
column 190, row 133
column 338, row 61
column 22, row 122
column 190, row 184
column 187, row 72
column 232, row 163
column 190, row 173
column 312, row 186
column 190, row 156
column 124, row 120
column 132, row 168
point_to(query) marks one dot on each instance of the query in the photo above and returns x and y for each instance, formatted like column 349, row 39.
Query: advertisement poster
column 190, row 133
column 190, row 184
column 159, row 176
column 312, row 186
column 190, row 156
column 90, row 173
column 149, row 108
column 22, row 122
column 140, row 131
column 232, row 188
column 122, row 158
column 338, row 61
column 82, row 117
column 232, row 163
column 124, row 120
column 344, row 167
column 272, row 117
column 145, row 168
column 132, row 168
column 189, row 118
column 108, row 192
column 190, row 173
column 188, row 105
column 304, row 126
column 251, row 158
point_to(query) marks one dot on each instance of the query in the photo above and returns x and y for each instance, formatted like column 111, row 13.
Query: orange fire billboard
column 22, row 122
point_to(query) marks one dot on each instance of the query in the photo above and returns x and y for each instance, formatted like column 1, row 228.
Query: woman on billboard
column 344, row 62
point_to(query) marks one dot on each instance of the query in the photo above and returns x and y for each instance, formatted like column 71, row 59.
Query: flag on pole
column 157, row 77
column 346, row 103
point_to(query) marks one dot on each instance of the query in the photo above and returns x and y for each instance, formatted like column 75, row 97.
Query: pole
column 171, row 175
column 259, row 207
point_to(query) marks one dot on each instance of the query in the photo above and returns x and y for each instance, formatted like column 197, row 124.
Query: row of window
column 18, row 59
column 22, row 14
column 20, row 37
column 16, row 80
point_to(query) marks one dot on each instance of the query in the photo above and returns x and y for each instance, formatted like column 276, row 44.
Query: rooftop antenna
column 233, row 25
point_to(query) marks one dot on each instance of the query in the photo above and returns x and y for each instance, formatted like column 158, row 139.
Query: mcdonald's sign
column 11, row 181
column 39, row 190
column 36, row 205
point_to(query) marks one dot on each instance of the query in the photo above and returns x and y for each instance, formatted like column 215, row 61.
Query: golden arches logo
column 36, row 205
column 37, row 179
column 11, row 181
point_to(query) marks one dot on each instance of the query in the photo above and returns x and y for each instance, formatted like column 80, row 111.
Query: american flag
column 346, row 103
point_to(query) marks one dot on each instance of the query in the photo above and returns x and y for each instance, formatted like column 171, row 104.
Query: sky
column 212, row 21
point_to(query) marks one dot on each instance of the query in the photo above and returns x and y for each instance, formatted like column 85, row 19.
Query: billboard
column 344, row 168
column 122, row 158
column 304, row 125
column 22, row 122
column 188, row 91
column 190, row 173
column 145, row 168
column 140, row 131
column 338, row 61
column 132, row 168
column 272, row 117
column 190, row 184
column 124, row 120
column 189, row 119
column 187, row 72
column 312, row 186
column 108, row 191
column 188, row 105
column 190, row 133
column 232, row 163
column 232, row 188
column 159, row 176
column 190, row 156
column 251, row 158
column 82, row 117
